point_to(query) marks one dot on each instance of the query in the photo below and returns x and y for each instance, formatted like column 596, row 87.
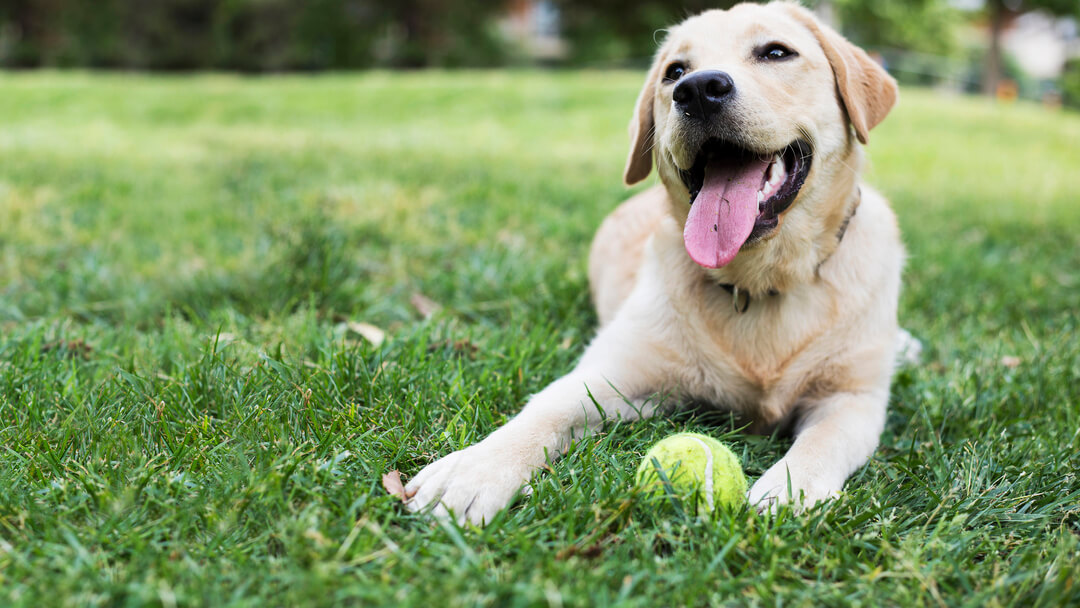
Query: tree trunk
column 992, row 74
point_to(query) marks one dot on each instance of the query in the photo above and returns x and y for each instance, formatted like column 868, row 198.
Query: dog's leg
column 613, row 379
column 837, row 436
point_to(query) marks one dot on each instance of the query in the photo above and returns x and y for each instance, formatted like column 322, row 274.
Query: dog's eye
column 674, row 72
column 775, row 52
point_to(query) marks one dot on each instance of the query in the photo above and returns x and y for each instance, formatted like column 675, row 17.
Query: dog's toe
column 793, row 486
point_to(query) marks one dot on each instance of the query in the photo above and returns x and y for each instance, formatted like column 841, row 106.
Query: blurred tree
column 442, row 33
column 1070, row 84
column 615, row 31
column 252, row 35
column 612, row 30
column 998, row 14
column 257, row 35
column 25, row 28
column 918, row 25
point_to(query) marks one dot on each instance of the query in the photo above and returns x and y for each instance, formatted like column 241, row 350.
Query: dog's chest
column 753, row 361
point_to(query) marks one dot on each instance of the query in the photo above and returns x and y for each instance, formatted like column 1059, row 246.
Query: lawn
column 190, row 414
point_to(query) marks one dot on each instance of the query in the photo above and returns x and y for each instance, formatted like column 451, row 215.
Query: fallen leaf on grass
column 69, row 348
column 391, row 482
column 424, row 305
column 591, row 552
column 1011, row 362
column 367, row 331
column 588, row 551
column 460, row 347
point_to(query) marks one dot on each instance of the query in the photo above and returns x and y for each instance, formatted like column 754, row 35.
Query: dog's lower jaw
column 766, row 266
column 792, row 253
column 783, row 260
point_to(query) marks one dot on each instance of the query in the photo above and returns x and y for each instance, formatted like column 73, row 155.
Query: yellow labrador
column 761, row 276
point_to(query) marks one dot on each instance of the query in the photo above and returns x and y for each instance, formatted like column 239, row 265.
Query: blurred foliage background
column 248, row 35
column 927, row 42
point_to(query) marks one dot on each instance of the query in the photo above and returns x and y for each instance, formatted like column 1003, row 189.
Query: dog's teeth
column 777, row 170
column 760, row 197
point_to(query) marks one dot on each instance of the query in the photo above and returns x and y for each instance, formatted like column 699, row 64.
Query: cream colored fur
column 818, row 357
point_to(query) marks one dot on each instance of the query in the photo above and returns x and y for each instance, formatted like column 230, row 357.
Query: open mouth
column 737, row 196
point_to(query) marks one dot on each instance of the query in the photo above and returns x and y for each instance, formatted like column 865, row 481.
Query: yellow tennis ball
column 697, row 469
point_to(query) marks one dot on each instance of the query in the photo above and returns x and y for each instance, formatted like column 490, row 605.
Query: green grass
column 186, row 418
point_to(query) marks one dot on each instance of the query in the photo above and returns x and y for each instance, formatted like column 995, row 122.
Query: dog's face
column 749, row 114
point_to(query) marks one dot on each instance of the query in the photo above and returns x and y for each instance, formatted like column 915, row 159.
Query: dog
column 760, row 275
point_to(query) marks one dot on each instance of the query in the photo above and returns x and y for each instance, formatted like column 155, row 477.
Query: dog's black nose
column 702, row 94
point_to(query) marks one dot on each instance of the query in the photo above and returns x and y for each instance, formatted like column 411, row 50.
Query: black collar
column 738, row 294
column 740, row 298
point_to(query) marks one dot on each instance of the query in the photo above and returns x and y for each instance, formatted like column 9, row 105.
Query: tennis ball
column 698, row 469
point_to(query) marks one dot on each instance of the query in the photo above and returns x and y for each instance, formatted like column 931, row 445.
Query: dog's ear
column 866, row 89
column 642, row 130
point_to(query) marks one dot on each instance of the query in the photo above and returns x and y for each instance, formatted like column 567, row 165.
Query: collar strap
column 740, row 298
column 843, row 229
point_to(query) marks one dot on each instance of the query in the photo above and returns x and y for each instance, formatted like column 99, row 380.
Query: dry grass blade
column 1011, row 362
column 424, row 305
column 368, row 332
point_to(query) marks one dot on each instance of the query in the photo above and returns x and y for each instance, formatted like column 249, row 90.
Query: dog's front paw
column 789, row 484
column 470, row 485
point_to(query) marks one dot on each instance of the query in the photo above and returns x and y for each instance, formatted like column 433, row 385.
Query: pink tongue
column 724, row 212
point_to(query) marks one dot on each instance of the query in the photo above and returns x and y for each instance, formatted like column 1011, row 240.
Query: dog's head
column 752, row 113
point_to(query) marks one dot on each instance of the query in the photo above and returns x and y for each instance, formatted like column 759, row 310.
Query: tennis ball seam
column 708, row 471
